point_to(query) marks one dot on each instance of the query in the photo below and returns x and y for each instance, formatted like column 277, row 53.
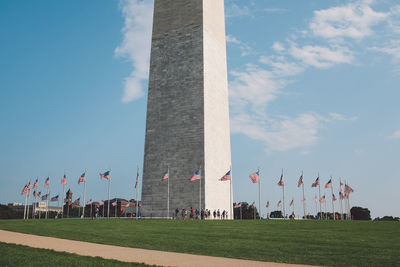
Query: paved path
column 125, row 254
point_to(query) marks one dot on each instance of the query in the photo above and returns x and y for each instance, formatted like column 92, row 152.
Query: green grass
column 15, row 255
column 340, row 243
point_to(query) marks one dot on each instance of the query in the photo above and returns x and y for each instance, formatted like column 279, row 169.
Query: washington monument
column 187, row 124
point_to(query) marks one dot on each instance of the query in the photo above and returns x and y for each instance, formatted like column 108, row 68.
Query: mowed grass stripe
column 17, row 255
column 339, row 243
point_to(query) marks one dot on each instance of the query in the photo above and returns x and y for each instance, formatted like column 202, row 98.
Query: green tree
column 359, row 213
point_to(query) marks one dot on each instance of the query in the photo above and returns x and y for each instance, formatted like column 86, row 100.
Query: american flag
column 127, row 205
column 267, row 205
column 195, row 176
column 82, row 178
column 77, row 201
column 255, row 177
column 303, row 201
column 114, row 204
column 38, row 194
column 89, row 202
column 280, row 183
column 315, row 199
column 64, row 180
column 340, row 195
column 341, row 186
column 226, row 177
column 328, row 184
column 300, row 182
column 47, row 182
column 165, row 176
column 45, row 197
column 34, row 193
column 101, row 203
column 334, row 197
column 35, row 184
column 24, row 190
column 238, row 205
column 253, row 206
column 348, row 189
column 322, row 200
column 137, row 178
column 316, row 183
column 28, row 186
column 291, row 203
column 346, row 195
column 105, row 175
column 279, row 203
column 54, row 198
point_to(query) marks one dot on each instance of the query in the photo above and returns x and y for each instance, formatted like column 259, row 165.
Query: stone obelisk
column 187, row 126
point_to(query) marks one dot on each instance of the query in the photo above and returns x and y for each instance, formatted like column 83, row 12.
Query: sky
column 313, row 87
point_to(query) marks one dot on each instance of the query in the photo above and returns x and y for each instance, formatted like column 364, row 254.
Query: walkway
column 151, row 257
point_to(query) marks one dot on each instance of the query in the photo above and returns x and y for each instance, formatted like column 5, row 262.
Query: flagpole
column 259, row 192
column 62, row 199
column 319, row 190
column 34, row 204
column 26, row 198
column 333, row 204
column 169, row 176
column 84, row 195
column 200, row 189
column 316, row 208
column 29, row 200
column 137, row 185
column 47, row 202
column 108, row 206
column 230, row 197
column 341, row 199
column 326, row 214
column 304, row 201
column 283, row 194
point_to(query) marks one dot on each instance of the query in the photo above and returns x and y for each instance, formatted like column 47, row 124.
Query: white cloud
column 254, row 86
column 396, row 135
column 136, row 44
column 233, row 10
column 278, row 47
column 340, row 117
column 232, row 39
column 321, row 57
column 281, row 66
column 354, row 20
column 392, row 49
column 280, row 134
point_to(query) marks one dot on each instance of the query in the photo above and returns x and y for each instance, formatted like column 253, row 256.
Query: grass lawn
column 339, row 243
column 14, row 255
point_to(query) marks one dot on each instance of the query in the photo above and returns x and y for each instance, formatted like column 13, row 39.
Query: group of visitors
column 195, row 214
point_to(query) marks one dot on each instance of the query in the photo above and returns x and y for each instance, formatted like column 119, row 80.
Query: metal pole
column 29, row 200
column 137, row 202
column 333, row 205
column 304, row 201
column 169, row 176
column 115, row 215
column 26, row 199
column 283, row 194
column 34, row 206
column 84, row 195
column 230, row 198
column 240, row 210
column 319, row 190
column 200, row 189
column 259, row 194
column 108, row 206
column 62, row 199
column 341, row 199
column 316, row 208
column 47, row 202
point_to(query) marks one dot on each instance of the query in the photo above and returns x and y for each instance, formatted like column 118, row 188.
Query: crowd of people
column 196, row 214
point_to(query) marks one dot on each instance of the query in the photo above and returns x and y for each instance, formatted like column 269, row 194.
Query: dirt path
column 125, row 254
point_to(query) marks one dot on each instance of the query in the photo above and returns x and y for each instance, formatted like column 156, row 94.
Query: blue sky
column 314, row 86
